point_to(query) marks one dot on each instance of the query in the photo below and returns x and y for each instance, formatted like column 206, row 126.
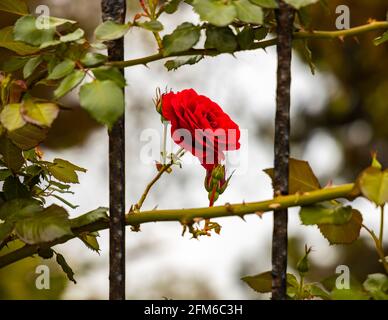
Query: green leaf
column 179, row 62
column 349, row 294
column 26, row 30
column 90, row 240
column 377, row 285
column 248, row 12
column 31, row 66
column 316, row 291
column 373, row 184
column 153, row 25
column 271, row 4
column 50, row 224
column 73, row 36
column 104, row 100
column 11, row 155
column 92, row 59
column 297, row 4
column 40, row 114
column 325, row 213
column 4, row 174
column 217, row 12
column 6, row 229
column 65, row 267
column 381, row 39
column 110, row 30
column 14, row 189
column 54, row 22
column 19, row 208
column 7, row 41
column 28, row 136
column 183, row 38
column 62, row 70
column 109, row 73
column 64, row 171
column 100, row 214
column 221, row 39
column 246, row 38
column 14, row 63
column 301, row 177
column 344, row 233
column 11, row 117
column 18, row 7
column 262, row 282
column 69, row 83
column 171, row 6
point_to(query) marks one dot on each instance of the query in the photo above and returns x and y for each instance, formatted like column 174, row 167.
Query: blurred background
column 339, row 116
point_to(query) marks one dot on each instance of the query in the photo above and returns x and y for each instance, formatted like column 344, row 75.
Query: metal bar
column 285, row 17
column 115, row 10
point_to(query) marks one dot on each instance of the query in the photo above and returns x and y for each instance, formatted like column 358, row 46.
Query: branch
column 285, row 18
column 187, row 216
column 372, row 26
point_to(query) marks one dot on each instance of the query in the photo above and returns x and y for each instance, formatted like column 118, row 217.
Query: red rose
column 200, row 126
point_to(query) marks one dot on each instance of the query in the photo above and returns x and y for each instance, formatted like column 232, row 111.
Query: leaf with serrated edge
column 48, row 225
column 301, row 177
column 345, row 233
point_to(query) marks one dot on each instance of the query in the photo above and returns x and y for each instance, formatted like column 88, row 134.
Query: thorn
column 242, row 217
column 156, row 207
column 329, row 184
column 356, row 39
column 341, row 38
column 259, row 214
column 229, row 207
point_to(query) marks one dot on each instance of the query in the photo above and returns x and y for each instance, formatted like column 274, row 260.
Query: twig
column 186, row 216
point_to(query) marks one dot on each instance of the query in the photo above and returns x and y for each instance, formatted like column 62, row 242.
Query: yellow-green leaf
column 40, row 114
column 7, row 41
column 18, row 7
column 11, row 117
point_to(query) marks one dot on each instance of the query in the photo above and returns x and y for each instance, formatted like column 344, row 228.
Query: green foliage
column 325, row 213
column 300, row 3
column 373, row 183
column 92, row 59
column 26, row 31
column 69, row 83
column 109, row 73
column 45, row 226
column 221, row 39
column 171, row 6
column 301, row 177
column 343, row 233
column 265, row 3
column 248, row 12
column 217, row 12
column 18, row 7
column 179, row 62
column 110, row 30
column 65, row 267
column 7, row 41
column 61, row 70
column 153, row 25
column 380, row 40
column 104, row 100
column 184, row 37
column 64, row 171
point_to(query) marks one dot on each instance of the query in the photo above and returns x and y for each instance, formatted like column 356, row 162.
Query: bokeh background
column 339, row 115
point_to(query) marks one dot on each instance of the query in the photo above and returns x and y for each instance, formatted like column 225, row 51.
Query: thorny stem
column 379, row 247
column 187, row 216
column 381, row 236
column 338, row 34
column 162, row 170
